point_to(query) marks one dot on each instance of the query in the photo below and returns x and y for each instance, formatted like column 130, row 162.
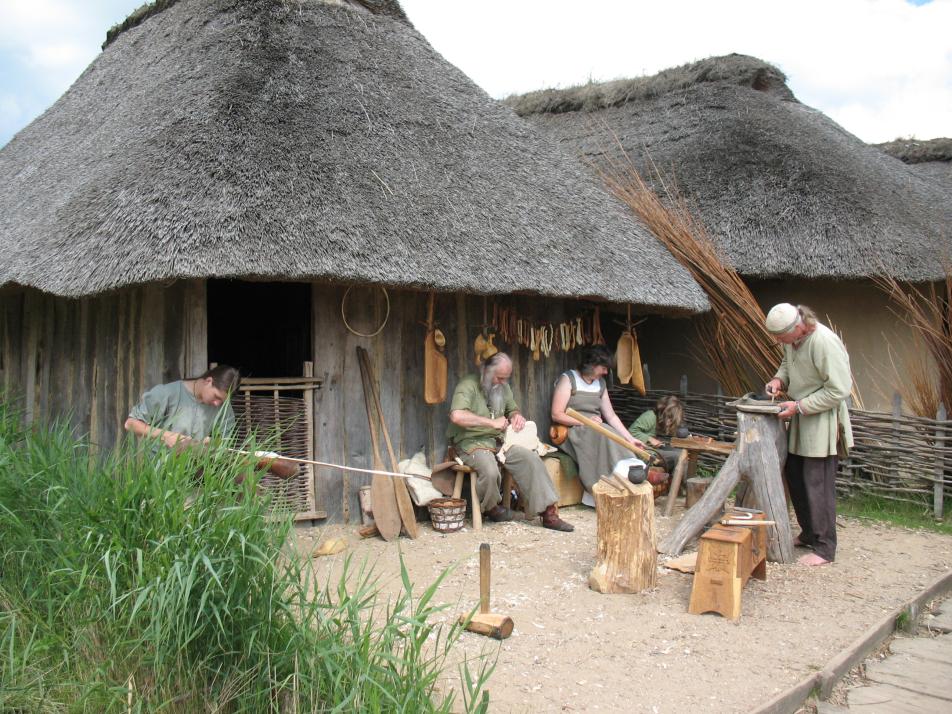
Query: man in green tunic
column 481, row 410
column 815, row 373
column 187, row 410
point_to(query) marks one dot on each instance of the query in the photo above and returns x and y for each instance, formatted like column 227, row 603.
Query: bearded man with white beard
column 481, row 410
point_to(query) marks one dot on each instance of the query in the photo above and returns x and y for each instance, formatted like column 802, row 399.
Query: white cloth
column 421, row 490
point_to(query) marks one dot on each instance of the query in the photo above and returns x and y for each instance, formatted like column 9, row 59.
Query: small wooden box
column 727, row 557
column 569, row 489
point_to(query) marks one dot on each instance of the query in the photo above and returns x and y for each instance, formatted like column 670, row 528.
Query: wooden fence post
column 938, row 488
column 647, row 376
column 684, row 387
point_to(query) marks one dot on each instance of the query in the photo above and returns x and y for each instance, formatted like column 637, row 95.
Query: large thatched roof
column 301, row 139
column 782, row 188
column 930, row 158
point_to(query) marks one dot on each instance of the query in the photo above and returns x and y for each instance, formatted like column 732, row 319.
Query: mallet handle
column 484, row 565
column 609, row 434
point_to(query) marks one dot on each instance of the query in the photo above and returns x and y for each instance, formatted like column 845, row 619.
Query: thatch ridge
column 782, row 189
column 307, row 141
column 741, row 70
column 150, row 9
column 918, row 151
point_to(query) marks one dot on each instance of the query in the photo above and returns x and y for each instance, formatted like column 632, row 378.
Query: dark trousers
column 812, row 483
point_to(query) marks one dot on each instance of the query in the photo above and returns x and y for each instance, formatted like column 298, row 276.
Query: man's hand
column 174, row 440
column 787, row 410
column 499, row 423
column 774, row 387
column 518, row 421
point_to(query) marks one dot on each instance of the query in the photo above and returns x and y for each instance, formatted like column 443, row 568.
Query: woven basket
column 447, row 514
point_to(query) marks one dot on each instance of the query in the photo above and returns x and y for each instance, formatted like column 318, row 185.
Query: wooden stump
column 696, row 487
column 627, row 559
column 759, row 457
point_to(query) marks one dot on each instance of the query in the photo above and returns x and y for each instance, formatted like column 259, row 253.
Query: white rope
column 383, row 324
column 270, row 455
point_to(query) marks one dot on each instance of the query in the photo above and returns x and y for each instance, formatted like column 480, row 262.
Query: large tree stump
column 627, row 560
column 758, row 459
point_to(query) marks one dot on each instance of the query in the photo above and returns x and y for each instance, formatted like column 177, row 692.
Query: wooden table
column 693, row 447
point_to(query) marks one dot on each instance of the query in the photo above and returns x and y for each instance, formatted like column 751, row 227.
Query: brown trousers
column 812, row 482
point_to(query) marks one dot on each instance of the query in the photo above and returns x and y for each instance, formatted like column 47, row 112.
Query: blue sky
column 881, row 68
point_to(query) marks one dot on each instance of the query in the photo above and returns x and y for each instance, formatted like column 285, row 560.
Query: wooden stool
column 727, row 557
column 461, row 472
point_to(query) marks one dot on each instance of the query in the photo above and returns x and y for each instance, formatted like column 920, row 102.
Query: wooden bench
column 728, row 556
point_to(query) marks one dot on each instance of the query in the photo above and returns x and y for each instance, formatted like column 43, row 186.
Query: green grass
column 129, row 585
column 897, row 513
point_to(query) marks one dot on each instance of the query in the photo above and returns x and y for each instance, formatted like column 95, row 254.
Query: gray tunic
column 595, row 455
column 172, row 407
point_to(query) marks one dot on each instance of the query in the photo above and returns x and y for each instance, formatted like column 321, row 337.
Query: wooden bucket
column 447, row 514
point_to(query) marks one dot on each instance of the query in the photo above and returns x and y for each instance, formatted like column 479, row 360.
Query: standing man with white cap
column 815, row 373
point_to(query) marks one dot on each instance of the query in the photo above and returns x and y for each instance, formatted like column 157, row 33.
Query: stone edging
column 823, row 682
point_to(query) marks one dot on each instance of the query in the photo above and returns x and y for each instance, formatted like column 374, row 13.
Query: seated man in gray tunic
column 481, row 409
column 185, row 411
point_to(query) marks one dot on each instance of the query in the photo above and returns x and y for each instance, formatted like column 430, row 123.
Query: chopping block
column 728, row 556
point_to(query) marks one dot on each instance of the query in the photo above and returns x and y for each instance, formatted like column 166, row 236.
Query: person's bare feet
column 812, row 559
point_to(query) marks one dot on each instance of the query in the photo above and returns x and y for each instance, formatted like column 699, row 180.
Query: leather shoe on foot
column 551, row 520
column 498, row 514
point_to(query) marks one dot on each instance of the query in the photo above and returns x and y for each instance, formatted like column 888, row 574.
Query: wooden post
column 676, row 478
column 627, row 560
column 759, row 457
column 647, row 375
column 684, row 387
column 938, row 492
column 695, row 489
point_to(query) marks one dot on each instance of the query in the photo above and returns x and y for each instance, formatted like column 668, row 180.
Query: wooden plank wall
column 90, row 360
column 341, row 434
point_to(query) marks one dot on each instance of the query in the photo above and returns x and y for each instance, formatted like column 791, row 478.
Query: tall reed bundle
column 741, row 354
column 928, row 312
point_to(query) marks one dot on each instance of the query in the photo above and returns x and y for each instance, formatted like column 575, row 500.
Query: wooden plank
column 330, row 437
column 888, row 699
column 150, row 344
column 936, row 649
column 913, row 674
column 32, row 315
column 173, row 333
column 196, row 327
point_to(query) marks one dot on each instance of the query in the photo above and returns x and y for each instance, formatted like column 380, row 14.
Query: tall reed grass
column 128, row 584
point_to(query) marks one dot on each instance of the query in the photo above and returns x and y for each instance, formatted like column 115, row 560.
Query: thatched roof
column 301, row 139
column 930, row 158
column 783, row 189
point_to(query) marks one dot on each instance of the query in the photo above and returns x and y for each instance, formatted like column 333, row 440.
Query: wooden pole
column 609, row 434
column 938, row 492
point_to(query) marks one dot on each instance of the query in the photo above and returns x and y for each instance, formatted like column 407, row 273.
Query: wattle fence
column 895, row 456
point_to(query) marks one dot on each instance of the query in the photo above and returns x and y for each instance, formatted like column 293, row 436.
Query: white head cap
column 782, row 318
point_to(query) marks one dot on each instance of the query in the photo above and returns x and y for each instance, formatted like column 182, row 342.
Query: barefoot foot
column 813, row 559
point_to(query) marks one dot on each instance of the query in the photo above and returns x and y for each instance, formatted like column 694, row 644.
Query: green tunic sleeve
column 468, row 396
column 645, row 426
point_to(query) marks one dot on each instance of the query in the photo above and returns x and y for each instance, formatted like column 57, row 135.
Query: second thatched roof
column 783, row 189
column 307, row 140
column 930, row 158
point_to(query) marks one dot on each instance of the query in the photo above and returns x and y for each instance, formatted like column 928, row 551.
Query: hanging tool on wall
column 434, row 361
column 628, row 358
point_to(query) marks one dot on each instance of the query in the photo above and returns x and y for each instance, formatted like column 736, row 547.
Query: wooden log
column 677, row 477
column 759, row 459
column 763, row 452
column 710, row 505
column 626, row 560
column 695, row 489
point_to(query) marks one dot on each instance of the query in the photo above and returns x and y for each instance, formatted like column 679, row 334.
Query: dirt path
column 576, row 650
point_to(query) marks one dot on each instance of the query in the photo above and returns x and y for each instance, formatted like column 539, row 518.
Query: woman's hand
column 655, row 442
column 597, row 418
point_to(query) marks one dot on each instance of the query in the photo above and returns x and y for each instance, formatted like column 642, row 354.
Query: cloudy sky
column 881, row 68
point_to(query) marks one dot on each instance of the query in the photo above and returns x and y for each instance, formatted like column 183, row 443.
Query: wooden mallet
column 485, row 622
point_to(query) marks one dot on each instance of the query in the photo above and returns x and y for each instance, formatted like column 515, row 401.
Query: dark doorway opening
column 263, row 329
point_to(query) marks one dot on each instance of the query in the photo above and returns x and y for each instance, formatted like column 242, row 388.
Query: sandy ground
column 577, row 650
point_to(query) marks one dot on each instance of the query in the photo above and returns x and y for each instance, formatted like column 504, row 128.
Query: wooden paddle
column 382, row 492
column 404, row 502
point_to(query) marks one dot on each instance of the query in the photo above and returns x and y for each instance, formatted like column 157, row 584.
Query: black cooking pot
column 637, row 474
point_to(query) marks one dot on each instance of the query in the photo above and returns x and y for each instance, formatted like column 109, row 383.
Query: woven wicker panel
column 281, row 423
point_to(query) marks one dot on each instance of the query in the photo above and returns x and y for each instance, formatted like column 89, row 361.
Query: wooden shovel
column 434, row 362
column 485, row 622
column 404, row 503
column 609, row 434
